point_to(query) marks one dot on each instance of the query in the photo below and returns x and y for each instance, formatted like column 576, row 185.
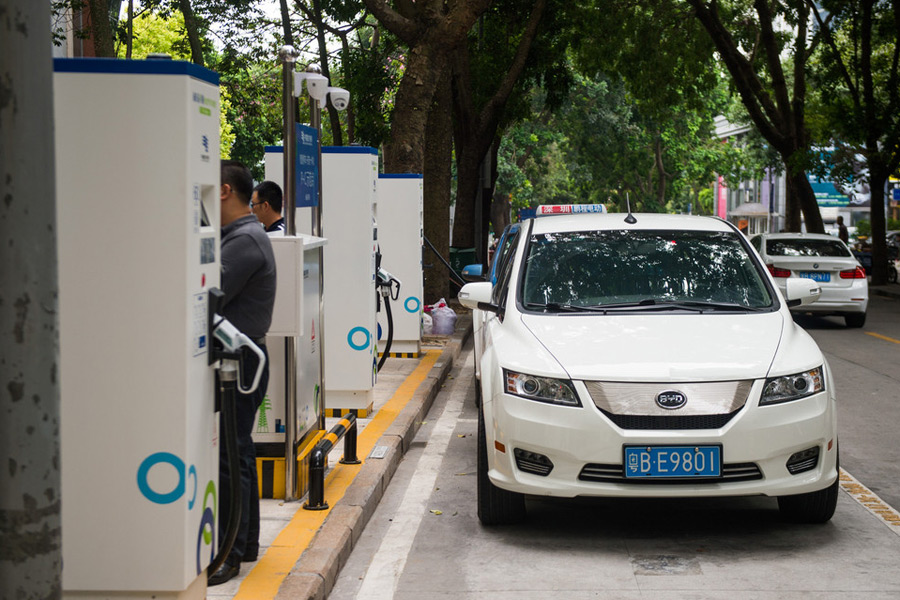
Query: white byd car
column 826, row 260
column 648, row 355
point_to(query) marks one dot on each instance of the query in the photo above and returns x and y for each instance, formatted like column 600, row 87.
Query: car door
column 492, row 320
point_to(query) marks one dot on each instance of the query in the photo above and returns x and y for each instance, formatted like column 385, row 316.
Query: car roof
column 616, row 221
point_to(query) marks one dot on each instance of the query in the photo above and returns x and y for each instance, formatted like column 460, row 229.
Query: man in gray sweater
column 248, row 280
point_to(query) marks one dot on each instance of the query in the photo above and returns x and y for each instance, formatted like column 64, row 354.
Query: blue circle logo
column 144, row 470
column 412, row 304
column 361, row 345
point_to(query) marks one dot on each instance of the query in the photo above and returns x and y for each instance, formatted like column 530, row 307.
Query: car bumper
column 573, row 438
column 852, row 299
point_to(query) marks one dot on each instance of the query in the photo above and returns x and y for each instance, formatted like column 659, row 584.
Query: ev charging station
column 349, row 188
column 296, row 315
column 400, row 239
column 137, row 161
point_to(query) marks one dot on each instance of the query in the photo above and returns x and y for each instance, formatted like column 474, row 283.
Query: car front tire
column 814, row 507
column 496, row 506
column 855, row 319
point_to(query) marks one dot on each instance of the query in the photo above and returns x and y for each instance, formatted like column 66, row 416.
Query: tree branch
column 773, row 59
column 759, row 106
column 403, row 27
column 490, row 115
column 829, row 39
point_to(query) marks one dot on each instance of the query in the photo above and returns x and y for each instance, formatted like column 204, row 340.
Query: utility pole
column 30, row 518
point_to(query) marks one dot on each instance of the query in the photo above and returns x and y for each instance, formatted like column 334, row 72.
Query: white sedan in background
column 648, row 356
column 827, row 261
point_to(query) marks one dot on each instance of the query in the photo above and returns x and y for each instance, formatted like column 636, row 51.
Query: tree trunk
column 193, row 31
column 30, row 518
column 436, row 181
column 878, row 174
column 101, row 30
column 129, row 34
column 405, row 152
column 778, row 118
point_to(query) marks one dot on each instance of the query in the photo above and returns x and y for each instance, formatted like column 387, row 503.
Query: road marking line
column 263, row 581
column 871, row 502
column 882, row 337
column 383, row 573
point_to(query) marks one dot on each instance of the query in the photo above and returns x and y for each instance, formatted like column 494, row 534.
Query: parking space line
column 882, row 337
column 871, row 502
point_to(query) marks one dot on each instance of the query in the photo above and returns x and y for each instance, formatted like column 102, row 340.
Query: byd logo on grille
column 671, row 400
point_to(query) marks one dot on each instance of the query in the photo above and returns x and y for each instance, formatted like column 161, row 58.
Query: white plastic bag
column 427, row 324
column 444, row 318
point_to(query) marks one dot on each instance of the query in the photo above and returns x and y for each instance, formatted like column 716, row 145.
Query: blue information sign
column 896, row 193
column 306, row 166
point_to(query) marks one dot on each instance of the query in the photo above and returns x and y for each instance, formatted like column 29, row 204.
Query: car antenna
column 630, row 218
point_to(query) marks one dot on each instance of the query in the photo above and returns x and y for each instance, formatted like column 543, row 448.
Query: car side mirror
column 473, row 273
column 801, row 291
column 478, row 295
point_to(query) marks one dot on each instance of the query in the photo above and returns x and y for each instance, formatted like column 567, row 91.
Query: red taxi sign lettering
column 568, row 209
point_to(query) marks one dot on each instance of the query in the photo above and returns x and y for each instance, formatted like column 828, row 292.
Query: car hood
column 661, row 347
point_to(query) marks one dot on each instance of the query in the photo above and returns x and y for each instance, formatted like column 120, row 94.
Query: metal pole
column 288, row 57
column 30, row 510
column 315, row 120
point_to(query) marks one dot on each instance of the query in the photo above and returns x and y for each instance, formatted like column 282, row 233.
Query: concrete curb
column 315, row 573
column 888, row 291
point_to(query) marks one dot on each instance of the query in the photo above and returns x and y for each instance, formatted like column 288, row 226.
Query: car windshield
column 641, row 270
column 806, row 247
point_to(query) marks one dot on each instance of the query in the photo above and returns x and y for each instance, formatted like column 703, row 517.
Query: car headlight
column 792, row 387
column 542, row 389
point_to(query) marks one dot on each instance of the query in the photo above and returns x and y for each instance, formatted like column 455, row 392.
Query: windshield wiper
column 723, row 306
column 650, row 304
column 557, row 307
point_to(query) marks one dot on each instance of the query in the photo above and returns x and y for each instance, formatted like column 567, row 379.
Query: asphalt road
column 866, row 364
column 425, row 540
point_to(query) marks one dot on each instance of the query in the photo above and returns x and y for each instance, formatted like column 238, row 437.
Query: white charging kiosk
column 296, row 315
column 399, row 212
column 137, row 163
column 349, row 180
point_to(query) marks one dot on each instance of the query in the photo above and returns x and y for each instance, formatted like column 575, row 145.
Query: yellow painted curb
column 871, row 501
column 264, row 580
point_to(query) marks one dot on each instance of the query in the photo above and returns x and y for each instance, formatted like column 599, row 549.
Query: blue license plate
column 815, row 275
column 659, row 462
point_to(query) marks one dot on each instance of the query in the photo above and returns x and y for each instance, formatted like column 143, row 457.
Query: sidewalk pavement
column 303, row 551
column 890, row 290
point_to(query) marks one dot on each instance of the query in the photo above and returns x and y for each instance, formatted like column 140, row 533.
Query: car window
column 503, row 251
column 757, row 243
column 596, row 268
column 806, row 247
column 504, row 268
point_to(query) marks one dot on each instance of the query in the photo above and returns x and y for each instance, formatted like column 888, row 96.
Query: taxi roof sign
column 568, row 209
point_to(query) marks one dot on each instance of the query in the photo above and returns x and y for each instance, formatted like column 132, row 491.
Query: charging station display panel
column 137, row 160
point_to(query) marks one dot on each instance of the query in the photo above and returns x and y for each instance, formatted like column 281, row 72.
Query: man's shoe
column 225, row 573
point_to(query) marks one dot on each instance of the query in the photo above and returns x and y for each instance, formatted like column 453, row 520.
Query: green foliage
column 153, row 33
column 863, row 228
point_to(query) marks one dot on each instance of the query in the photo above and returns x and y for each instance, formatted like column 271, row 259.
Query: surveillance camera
column 340, row 97
column 317, row 86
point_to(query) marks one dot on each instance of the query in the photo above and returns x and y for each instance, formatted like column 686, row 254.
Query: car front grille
column 614, row 474
column 671, row 421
